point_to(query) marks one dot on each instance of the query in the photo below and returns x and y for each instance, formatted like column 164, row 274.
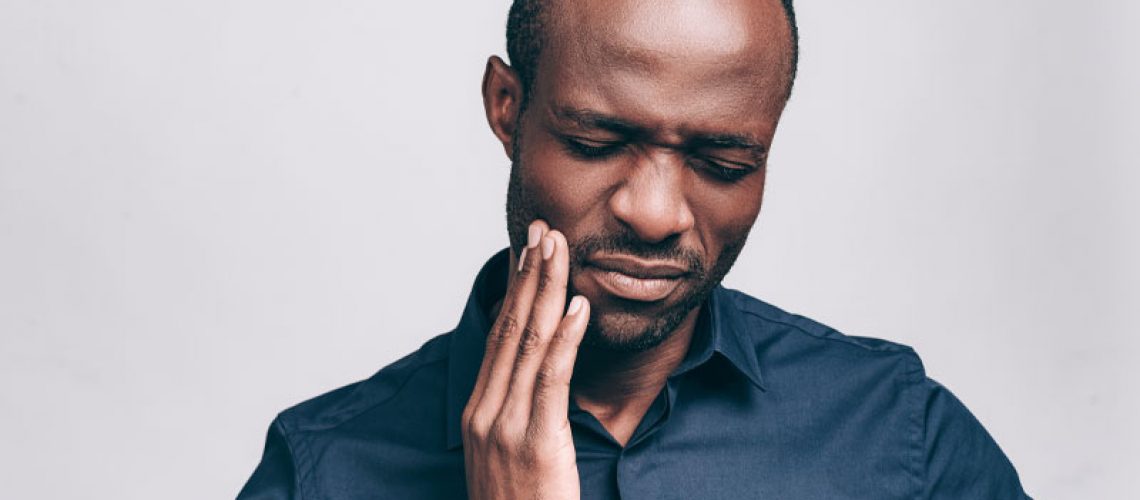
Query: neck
column 618, row 387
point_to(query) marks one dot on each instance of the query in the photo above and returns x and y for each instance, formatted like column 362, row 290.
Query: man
column 598, row 357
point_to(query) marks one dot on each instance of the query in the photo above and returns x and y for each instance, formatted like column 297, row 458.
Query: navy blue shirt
column 765, row 405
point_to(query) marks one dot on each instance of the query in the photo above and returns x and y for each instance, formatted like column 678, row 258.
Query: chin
column 623, row 331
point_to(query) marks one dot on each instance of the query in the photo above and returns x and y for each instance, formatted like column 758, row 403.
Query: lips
column 635, row 279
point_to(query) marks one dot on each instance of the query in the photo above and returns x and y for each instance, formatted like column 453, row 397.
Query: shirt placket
column 597, row 448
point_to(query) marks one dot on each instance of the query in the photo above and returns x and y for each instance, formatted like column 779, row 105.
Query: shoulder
column 777, row 333
column 404, row 382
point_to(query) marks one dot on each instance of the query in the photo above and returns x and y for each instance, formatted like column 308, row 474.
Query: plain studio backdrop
column 213, row 210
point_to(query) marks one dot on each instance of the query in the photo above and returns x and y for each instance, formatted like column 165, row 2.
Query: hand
column 516, row 437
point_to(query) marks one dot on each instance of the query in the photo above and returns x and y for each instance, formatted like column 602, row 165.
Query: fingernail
column 547, row 247
column 575, row 305
column 522, row 259
column 534, row 235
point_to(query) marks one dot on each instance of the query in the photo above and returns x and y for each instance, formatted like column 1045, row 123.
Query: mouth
column 634, row 279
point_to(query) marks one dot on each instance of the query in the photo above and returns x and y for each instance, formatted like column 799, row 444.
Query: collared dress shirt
column 765, row 405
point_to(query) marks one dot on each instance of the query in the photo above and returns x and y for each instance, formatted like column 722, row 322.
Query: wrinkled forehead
column 734, row 53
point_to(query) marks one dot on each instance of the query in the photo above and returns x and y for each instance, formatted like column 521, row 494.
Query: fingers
column 502, row 339
column 524, row 381
column 552, row 384
column 526, row 371
column 546, row 314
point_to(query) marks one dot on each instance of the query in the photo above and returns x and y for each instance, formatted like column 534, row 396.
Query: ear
column 502, row 99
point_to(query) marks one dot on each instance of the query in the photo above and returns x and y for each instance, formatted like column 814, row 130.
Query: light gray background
column 212, row 210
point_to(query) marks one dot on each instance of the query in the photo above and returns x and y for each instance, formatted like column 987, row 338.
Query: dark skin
column 650, row 119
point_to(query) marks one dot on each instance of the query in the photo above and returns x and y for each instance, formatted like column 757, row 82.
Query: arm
column 276, row 476
column 962, row 461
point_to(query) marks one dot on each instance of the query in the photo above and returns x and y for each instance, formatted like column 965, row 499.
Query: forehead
column 669, row 61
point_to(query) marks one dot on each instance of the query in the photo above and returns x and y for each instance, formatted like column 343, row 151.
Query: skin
column 645, row 136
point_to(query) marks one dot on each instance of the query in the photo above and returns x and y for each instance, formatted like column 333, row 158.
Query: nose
column 652, row 200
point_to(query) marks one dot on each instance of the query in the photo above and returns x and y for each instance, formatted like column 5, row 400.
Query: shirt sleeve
column 276, row 476
column 962, row 461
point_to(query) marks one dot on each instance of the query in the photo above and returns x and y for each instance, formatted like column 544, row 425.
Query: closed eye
column 725, row 170
column 587, row 149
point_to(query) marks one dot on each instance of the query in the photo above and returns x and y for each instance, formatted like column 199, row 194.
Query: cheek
column 726, row 216
column 564, row 192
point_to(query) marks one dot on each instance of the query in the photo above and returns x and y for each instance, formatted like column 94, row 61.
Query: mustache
column 627, row 243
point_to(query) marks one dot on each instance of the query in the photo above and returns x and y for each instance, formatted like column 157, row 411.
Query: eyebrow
column 727, row 141
column 588, row 119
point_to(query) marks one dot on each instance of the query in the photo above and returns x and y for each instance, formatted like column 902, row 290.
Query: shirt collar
column 719, row 331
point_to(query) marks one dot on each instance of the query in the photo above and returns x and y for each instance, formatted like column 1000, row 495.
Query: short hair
column 526, row 38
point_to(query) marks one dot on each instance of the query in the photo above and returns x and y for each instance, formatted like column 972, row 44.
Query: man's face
column 644, row 142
